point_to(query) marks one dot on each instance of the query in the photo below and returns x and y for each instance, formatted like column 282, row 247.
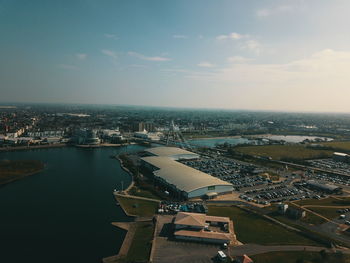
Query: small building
column 196, row 227
column 282, row 208
column 295, row 213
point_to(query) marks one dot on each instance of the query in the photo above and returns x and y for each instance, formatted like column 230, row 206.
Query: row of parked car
column 166, row 207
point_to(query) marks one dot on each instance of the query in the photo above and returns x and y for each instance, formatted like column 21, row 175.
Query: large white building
column 182, row 178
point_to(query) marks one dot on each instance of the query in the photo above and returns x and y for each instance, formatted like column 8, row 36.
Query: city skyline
column 261, row 55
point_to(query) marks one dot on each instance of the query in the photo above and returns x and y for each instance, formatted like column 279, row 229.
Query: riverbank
column 11, row 171
column 19, row 148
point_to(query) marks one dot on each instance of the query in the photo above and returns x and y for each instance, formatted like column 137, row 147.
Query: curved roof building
column 189, row 181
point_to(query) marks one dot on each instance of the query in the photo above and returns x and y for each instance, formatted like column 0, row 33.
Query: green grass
column 279, row 152
column 141, row 245
column 138, row 207
column 14, row 170
column 300, row 256
column 313, row 219
column 330, row 201
column 136, row 191
column 338, row 145
column 327, row 212
column 252, row 228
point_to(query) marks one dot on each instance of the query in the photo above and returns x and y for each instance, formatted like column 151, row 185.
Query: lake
column 64, row 213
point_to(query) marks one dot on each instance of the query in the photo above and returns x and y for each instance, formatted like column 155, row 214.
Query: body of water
column 293, row 138
column 64, row 213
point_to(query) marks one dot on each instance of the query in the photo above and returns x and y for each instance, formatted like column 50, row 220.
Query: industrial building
column 181, row 178
column 196, row 227
column 328, row 188
column 341, row 157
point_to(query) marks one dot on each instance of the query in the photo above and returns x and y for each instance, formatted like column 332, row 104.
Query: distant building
column 341, row 157
column 328, row 188
column 295, row 213
column 282, row 208
column 141, row 126
column 151, row 136
column 87, row 137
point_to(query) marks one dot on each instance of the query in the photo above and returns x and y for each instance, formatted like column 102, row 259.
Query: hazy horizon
column 290, row 56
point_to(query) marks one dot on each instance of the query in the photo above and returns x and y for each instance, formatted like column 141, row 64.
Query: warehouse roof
column 190, row 219
column 182, row 176
column 172, row 152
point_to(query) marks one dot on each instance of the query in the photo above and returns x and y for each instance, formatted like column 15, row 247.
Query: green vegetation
column 141, row 245
column 330, row 201
column 309, row 218
column 300, row 257
column 142, row 192
column 252, row 228
column 313, row 219
column 14, row 170
column 338, row 145
column 327, row 212
column 287, row 152
column 138, row 207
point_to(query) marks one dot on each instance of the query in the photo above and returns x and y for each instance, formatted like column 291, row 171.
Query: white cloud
column 81, row 56
column 205, row 64
column 109, row 53
column 234, row 36
column 239, row 60
column 319, row 82
column 252, row 45
column 265, row 12
column 143, row 57
column 68, row 66
column 111, row 36
column 180, row 36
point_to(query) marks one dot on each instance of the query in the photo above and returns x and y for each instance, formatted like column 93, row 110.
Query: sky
column 291, row 55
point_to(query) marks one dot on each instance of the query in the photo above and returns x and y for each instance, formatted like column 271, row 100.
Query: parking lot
column 238, row 174
column 330, row 164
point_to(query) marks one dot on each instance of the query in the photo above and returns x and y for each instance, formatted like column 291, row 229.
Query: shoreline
column 22, row 176
column 21, row 148
column 59, row 145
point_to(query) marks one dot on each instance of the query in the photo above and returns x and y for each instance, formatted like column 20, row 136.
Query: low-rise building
column 198, row 227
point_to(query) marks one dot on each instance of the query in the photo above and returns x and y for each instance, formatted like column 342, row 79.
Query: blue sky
column 266, row 55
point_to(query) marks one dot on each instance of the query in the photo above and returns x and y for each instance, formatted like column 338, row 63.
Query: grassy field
column 143, row 193
column 300, row 256
column 138, row 207
column 330, row 201
column 252, row 228
column 327, row 212
column 338, row 145
column 279, row 152
column 14, row 170
column 140, row 248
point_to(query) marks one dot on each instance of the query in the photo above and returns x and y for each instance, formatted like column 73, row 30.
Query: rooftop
column 172, row 152
column 182, row 176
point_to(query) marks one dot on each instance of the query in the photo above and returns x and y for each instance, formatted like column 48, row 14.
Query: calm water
column 64, row 213
column 294, row 138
